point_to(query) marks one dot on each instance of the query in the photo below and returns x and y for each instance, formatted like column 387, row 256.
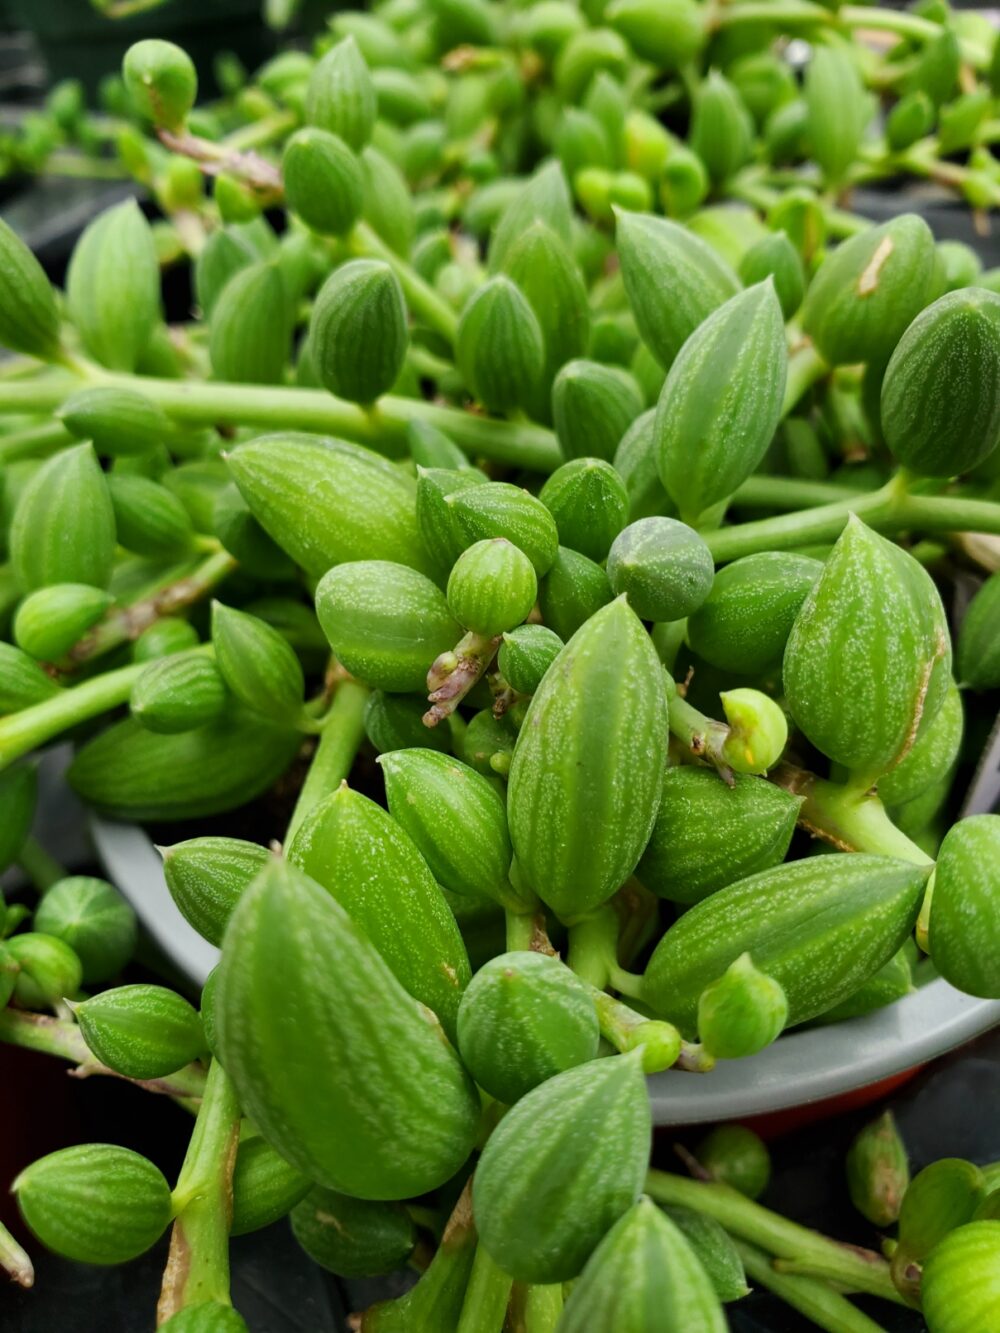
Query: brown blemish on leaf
column 868, row 282
column 328, row 1220
column 940, row 651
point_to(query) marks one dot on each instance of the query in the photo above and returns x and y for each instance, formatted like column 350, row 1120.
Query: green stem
column 125, row 624
column 789, row 15
column 907, row 25
column 885, row 510
column 427, row 364
column 21, row 366
column 842, row 224
column 817, row 1301
column 343, row 730
column 705, row 737
column 526, row 930
column 42, row 869
column 593, row 947
column 24, row 731
column 852, row 1268
column 198, row 1263
column 15, row 1261
column 805, row 368
column 485, row 1306
column 751, row 187
column 83, row 168
column 63, row 1039
column 260, row 132
column 422, row 299
column 626, row 1030
column 922, row 160
column 207, row 403
column 34, row 442
column 851, row 818
column 790, row 493
column 543, row 1306
column 436, row 1300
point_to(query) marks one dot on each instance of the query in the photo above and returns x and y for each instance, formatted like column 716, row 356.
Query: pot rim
column 799, row 1069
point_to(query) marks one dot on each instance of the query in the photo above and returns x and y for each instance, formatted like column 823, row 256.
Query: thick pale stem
column 526, row 932
column 849, row 818
column 423, row 300
column 191, row 403
column 543, row 1306
column 24, row 731
column 705, row 737
column 805, row 368
column 593, row 947
column 825, row 1307
column 343, row 731
column 852, row 1268
column 198, row 1263
column 440, row 1288
column 626, row 1031
column 33, row 442
column 63, row 1039
column 790, row 493
column 886, row 510
column 485, row 1307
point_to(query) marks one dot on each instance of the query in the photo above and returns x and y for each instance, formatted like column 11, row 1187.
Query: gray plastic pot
column 803, row 1067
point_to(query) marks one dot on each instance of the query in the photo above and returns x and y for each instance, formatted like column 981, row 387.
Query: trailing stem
column 815, row 1299
column 343, row 731
column 63, row 1039
column 851, row 1268
column 847, row 817
column 887, row 510
column 191, row 403
column 198, row 1263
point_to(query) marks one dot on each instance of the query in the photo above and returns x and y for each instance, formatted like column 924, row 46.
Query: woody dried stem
column 64, row 1040
column 125, row 624
column 247, row 166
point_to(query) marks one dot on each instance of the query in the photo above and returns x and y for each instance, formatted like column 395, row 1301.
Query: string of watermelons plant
column 620, row 529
